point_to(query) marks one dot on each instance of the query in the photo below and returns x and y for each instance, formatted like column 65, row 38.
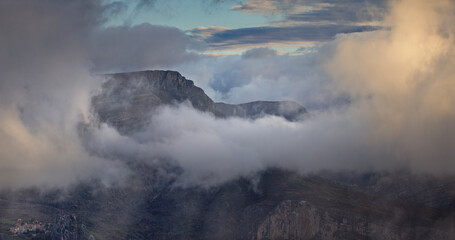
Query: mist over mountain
column 302, row 119
column 291, row 111
column 162, row 196
column 127, row 100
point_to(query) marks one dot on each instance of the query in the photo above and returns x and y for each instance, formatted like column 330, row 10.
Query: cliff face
column 127, row 100
column 300, row 220
column 303, row 220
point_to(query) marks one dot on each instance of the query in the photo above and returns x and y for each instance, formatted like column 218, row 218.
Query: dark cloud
column 141, row 47
column 283, row 34
column 354, row 11
column 259, row 53
column 309, row 20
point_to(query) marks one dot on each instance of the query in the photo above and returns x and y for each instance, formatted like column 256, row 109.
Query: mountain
column 127, row 100
column 272, row 204
column 278, row 204
column 430, row 190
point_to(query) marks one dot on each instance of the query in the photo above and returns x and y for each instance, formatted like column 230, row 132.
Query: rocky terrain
column 66, row 227
column 280, row 205
column 273, row 204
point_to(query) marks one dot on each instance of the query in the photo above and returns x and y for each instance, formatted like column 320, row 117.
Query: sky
column 233, row 26
column 212, row 35
column 376, row 76
column 187, row 15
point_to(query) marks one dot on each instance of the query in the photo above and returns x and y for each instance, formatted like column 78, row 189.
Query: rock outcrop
column 66, row 228
column 127, row 100
column 302, row 220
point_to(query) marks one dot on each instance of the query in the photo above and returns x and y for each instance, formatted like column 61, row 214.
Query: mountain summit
column 127, row 100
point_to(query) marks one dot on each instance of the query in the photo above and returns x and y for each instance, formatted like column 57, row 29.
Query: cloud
column 399, row 82
column 400, row 116
column 212, row 151
column 44, row 91
column 268, row 7
column 47, row 53
column 259, row 53
column 240, row 79
column 204, row 32
column 295, row 22
column 257, row 36
column 402, row 82
column 145, row 3
column 332, row 11
column 145, row 46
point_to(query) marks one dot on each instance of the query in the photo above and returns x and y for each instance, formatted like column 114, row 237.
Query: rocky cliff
column 302, row 220
column 127, row 100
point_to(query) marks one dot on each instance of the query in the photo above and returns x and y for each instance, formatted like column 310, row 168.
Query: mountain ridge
column 127, row 100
